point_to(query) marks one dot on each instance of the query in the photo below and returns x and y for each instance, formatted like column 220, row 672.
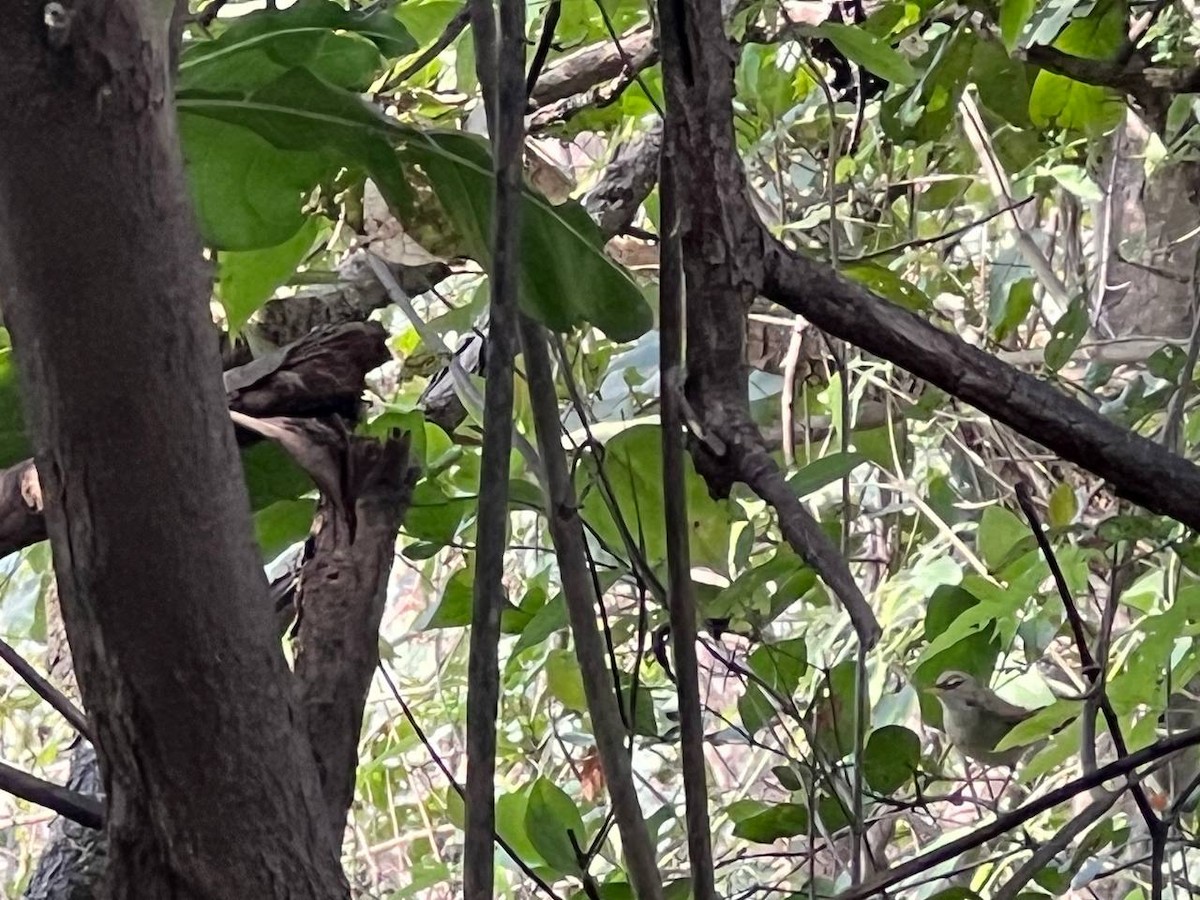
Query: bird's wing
column 1002, row 709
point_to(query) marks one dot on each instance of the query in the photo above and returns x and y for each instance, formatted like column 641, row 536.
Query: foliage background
column 971, row 188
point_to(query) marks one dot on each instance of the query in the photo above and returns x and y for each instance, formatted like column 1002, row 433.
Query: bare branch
column 87, row 811
column 46, row 690
column 681, row 594
column 566, row 531
column 500, row 61
column 1135, row 466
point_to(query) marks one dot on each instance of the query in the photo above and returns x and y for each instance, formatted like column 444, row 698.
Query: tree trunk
column 212, row 791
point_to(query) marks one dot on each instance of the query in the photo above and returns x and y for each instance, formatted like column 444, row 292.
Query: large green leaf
column 247, row 191
column 247, row 279
column 573, row 281
column 765, row 823
column 872, row 53
column 634, row 469
column 343, row 47
column 566, row 278
column 551, row 821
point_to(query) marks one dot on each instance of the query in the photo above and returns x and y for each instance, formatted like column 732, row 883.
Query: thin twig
column 538, row 63
column 449, row 35
column 44, row 689
column 1091, row 672
column 916, row 243
column 500, row 61
column 681, row 596
column 1005, row 823
column 1045, row 854
column 455, row 786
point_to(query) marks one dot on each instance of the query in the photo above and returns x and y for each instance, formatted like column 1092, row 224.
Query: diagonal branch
column 87, row 811
column 46, row 690
column 1136, row 468
column 566, row 532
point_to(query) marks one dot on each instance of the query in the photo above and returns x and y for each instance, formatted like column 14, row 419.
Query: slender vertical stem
column 681, row 598
column 501, row 65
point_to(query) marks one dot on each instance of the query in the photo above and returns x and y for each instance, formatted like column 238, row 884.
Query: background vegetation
column 1023, row 175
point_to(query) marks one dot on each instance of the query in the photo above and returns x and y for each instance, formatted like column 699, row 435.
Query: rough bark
column 317, row 376
column 339, row 598
column 583, row 69
column 340, row 602
column 211, row 787
column 723, row 259
column 1152, row 222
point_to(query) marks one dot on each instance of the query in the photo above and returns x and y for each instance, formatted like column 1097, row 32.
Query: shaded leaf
column 891, row 758
column 550, row 818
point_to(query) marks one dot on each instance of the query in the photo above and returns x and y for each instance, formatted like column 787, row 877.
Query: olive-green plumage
column 976, row 719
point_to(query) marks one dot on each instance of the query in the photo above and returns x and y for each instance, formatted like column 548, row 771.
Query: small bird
column 976, row 719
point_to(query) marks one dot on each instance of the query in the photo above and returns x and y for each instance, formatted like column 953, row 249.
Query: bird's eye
column 950, row 682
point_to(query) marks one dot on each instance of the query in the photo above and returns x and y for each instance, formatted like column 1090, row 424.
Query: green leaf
column 835, row 710
column 573, row 281
column 564, row 680
column 1003, row 83
column 1061, row 102
column 645, row 722
column 319, row 125
column 1004, row 318
column 924, row 112
column 247, row 192
column 780, row 665
column 14, row 445
column 340, row 46
column 282, row 524
column 765, row 823
column 824, row 471
column 1063, row 506
column 550, row 818
column 247, row 279
column 1066, row 334
column 891, row 758
column 510, row 825
column 868, row 51
column 755, row 708
column 999, row 531
column 549, row 620
column 453, row 608
column 633, row 467
column 434, row 516
column 1041, row 724
column 888, row 285
column 272, row 475
column 1014, row 16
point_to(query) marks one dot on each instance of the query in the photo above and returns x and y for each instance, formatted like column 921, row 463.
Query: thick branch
column 603, row 61
column 1136, row 467
column 342, row 590
column 319, row 375
column 87, row 811
column 163, row 595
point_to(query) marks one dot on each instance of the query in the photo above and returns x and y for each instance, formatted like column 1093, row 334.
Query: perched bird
column 976, row 719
